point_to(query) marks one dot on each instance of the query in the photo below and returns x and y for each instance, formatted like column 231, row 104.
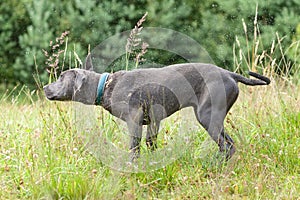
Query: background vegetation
column 27, row 27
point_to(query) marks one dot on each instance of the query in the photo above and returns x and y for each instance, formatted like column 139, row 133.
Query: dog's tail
column 261, row 80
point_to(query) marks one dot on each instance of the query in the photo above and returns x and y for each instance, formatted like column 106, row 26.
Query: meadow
column 42, row 156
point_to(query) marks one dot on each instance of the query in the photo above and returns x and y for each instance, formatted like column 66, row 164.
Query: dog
column 147, row 96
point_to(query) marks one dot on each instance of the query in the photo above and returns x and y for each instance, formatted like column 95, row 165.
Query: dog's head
column 71, row 86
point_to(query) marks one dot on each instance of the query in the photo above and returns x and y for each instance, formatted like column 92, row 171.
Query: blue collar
column 100, row 88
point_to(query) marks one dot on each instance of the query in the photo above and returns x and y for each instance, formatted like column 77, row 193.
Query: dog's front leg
column 135, row 133
column 151, row 137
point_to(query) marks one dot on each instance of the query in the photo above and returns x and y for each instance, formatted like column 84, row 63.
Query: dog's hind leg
column 228, row 145
column 214, row 125
column 151, row 137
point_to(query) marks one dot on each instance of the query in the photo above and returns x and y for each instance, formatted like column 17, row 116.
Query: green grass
column 42, row 156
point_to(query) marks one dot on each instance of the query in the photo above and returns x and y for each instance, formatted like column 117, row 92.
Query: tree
column 33, row 41
column 29, row 25
column 13, row 19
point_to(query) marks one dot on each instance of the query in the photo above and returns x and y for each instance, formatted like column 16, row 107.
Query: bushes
column 29, row 26
column 13, row 20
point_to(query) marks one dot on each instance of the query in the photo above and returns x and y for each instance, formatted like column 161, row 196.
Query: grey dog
column 147, row 96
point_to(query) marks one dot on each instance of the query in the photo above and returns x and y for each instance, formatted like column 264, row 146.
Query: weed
column 134, row 43
column 53, row 55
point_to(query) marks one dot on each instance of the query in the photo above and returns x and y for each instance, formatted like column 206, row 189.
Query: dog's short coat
column 146, row 96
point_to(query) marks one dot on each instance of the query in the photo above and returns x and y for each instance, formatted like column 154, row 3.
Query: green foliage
column 13, row 20
column 222, row 21
column 37, row 36
column 27, row 27
column 294, row 53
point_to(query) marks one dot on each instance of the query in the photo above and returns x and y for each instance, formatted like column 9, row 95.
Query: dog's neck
column 101, row 86
column 108, row 89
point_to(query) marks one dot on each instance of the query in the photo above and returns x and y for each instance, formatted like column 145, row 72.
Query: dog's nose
column 45, row 87
column 46, row 90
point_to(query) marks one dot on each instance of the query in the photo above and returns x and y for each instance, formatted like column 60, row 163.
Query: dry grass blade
column 53, row 55
column 134, row 43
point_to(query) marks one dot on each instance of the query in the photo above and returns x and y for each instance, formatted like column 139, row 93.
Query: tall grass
column 41, row 157
column 134, row 43
column 267, row 61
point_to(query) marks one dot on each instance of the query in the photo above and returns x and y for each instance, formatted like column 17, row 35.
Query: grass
column 42, row 157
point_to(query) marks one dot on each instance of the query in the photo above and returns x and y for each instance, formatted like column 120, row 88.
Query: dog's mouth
column 51, row 97
column 49, row 94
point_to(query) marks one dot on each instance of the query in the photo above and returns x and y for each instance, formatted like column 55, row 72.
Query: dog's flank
column 147, row 96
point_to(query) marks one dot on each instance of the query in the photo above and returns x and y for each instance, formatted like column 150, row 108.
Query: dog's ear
column 88, row 65
column 80, row 77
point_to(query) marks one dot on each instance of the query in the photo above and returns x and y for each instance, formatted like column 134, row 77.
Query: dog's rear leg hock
column 215, row 127
column 230, row 148
column 225, row 144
